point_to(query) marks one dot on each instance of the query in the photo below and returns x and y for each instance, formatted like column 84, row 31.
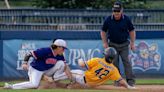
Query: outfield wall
column 147, row 60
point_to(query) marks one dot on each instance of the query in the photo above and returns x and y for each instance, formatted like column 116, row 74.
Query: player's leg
column 57, row 69
column 62, row 76
column 130, row 77
column 77, row 75
column 34, row 80
column 116, row 63
column 52, row 82
column 51, row 76
column 58, row 72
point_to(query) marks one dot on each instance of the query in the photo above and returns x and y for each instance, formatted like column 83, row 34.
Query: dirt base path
column 139, row 88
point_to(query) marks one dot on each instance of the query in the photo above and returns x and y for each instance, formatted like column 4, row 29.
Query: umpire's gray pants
column 123, row 52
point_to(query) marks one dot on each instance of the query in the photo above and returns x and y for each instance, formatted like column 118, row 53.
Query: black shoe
column 131, row 85
column 131, row 82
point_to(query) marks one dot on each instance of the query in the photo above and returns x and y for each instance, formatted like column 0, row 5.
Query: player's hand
column 105, row 45
column 47, row 78
column 25, row 66
column 81, row 62
column 132, row 46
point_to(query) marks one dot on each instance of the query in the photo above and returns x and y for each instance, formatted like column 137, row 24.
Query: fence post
column 1, row 57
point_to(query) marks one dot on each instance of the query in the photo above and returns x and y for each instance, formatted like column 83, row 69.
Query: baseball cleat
column 7, row 86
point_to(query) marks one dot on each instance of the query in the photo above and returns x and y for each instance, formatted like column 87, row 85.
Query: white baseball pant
column 35, row 76
column 78, row 76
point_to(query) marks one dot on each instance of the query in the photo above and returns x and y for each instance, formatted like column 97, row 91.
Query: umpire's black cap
column 117, row 6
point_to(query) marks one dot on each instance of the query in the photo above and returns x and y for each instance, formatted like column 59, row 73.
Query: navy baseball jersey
column 45, row 59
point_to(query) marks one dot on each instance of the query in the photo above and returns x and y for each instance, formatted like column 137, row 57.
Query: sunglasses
column 116, row 10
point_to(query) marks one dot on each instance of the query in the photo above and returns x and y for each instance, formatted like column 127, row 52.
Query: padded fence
column 14, row 44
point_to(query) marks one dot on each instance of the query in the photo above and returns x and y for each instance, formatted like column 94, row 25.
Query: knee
column 60, row 64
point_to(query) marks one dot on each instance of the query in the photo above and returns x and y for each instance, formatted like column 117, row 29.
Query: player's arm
column 81, row 63
column 109, row 87
column 132, row 36
column 115, row 76
column 121, row 81
column 125, row 84
column 104, row 39
column 132, row 40
column 104, row 32
column 26, row 59
column 87, row 64
column 67, row 70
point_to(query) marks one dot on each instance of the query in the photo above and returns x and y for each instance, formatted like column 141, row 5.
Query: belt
column 119, row 45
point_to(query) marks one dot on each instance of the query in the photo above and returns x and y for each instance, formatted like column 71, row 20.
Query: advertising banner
column 146, row 59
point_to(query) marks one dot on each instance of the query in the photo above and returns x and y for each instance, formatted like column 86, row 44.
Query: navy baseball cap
column 117, row 6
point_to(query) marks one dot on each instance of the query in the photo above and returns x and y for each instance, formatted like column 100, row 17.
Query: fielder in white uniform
column 49, row 61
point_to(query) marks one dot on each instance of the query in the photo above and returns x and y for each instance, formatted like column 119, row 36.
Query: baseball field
column 142, row 85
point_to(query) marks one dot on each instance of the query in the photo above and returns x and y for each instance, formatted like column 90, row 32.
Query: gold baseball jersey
column 99, row 71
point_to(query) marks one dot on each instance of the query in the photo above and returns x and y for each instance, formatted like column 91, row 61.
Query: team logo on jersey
column 146, row 57
column 51, row 61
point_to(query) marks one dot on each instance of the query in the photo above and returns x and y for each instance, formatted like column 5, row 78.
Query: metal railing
column 64, row 19
column 73, row 27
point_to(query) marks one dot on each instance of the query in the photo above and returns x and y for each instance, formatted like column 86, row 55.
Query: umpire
column 115, row 33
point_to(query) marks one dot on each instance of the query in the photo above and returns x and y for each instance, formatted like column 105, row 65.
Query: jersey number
column 101, row 72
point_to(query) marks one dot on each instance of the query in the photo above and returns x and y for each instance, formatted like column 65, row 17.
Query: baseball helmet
column 110, row 54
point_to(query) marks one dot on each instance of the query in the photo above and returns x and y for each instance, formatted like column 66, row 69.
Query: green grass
column 150, row 81
column 138, row 82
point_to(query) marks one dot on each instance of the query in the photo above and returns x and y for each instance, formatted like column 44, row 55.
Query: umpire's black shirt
column 117, row 30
